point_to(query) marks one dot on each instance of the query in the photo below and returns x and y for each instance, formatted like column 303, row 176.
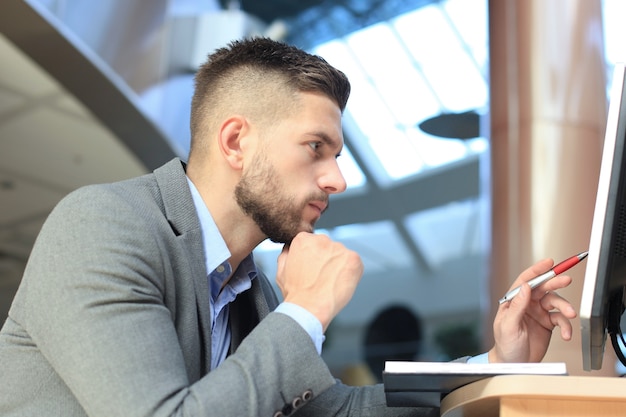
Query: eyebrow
column 328, row 140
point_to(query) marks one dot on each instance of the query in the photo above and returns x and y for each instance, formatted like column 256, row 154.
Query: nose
column 333, row 181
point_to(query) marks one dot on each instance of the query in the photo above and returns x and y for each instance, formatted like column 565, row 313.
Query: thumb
column 281, row 261
column 520, row 302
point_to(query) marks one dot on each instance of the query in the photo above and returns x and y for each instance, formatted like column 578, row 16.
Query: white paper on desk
column 414, row 367
column 422, row 384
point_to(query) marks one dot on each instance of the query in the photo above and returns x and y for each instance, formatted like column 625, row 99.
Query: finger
column 558, row 319
column 552, row 301
column 519, row 304
column 554, row 284
column 282, row 257
column 533, row 271
column 280, row 266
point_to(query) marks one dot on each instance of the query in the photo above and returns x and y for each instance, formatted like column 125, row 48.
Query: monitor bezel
column 602, row 278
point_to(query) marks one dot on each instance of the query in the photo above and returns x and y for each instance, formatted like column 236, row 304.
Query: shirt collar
column 215, row 249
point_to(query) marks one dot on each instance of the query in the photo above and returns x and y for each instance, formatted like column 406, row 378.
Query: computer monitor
column 602, row 301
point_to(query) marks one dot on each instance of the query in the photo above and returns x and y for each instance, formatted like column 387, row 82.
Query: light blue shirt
column 217, row 255
column 482, row 358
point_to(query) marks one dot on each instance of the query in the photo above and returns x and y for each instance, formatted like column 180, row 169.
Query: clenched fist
column 318, row 274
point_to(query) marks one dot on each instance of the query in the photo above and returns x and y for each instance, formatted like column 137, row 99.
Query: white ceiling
column 51, row 142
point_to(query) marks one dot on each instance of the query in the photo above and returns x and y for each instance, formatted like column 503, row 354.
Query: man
column 141, row 297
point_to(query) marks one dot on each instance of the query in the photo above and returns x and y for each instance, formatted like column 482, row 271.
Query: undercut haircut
column 259, row 78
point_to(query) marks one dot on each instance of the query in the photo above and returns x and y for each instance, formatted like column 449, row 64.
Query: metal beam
column 454, row 183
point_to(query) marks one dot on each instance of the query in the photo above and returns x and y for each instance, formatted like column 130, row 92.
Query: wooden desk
column 538, row 395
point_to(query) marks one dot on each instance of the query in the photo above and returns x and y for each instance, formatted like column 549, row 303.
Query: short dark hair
column 249, row 63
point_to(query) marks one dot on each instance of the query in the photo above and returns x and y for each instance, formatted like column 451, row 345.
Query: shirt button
column 220, row 269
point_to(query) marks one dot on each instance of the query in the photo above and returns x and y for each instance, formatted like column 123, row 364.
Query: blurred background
column 100, row 91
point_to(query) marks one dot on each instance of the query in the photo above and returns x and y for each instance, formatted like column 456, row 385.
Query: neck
column 240, row 233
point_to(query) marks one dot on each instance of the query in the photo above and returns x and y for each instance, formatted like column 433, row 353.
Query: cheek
column 293, row 190
column 294, row 168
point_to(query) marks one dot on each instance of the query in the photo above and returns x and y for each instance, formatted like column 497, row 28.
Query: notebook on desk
column 423, row 384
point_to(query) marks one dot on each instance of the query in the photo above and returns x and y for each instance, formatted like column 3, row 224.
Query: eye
column 315, row 145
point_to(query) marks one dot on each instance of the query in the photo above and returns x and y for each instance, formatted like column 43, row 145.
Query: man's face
column 286, row 186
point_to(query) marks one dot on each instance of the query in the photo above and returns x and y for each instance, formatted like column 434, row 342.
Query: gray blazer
column 112, row 319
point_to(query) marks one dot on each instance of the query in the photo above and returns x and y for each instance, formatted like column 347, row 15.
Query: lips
column 319, row 205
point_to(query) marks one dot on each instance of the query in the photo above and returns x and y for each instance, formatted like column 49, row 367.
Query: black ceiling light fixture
column 464, row 126
column 270, row 10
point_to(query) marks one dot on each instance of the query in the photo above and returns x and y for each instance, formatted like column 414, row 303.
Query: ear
column 231, row 135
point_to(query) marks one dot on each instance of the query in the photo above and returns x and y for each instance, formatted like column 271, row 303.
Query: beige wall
column 548, row 113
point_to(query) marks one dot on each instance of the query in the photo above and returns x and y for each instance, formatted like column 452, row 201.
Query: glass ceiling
column 399, row 80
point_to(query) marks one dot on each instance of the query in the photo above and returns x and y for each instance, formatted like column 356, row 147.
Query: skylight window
column 409, row 69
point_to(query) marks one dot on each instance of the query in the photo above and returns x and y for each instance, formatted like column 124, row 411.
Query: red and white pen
column 557, row 270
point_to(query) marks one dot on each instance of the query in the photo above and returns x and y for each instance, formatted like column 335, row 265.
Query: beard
column 260, row 195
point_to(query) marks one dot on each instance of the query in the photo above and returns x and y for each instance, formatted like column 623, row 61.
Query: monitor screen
column 605, row 277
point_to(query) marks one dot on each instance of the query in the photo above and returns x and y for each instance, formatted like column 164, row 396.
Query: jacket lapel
column 249, row 308
column 182, row 217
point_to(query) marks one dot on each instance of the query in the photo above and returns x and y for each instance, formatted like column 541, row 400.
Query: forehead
column 318, row 115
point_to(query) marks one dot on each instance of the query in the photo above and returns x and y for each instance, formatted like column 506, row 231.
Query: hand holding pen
column 556, row 270
column 522, row 330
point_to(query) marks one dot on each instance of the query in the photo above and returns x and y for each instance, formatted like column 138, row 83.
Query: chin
column 309, row 228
